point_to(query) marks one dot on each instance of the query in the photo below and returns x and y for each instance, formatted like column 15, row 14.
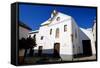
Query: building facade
column 61, row 36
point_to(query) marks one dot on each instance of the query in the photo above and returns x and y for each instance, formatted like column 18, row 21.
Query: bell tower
column 54, row 13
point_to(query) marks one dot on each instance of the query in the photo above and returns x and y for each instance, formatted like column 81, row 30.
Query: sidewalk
column 85, row 58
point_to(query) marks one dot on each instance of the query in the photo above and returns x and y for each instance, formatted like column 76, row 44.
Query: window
column 58, row 18
column 50, row 31
column 73, row 46
column 41, row 37
column 34, row 36
column 57, row 32
column 29, row 36
column 72, row 37
column 65, row 28
column 76, row 33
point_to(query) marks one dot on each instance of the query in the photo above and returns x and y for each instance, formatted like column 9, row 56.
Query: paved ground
column 85, row 58
column 32, row 60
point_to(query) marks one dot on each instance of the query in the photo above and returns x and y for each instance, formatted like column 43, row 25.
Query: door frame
column 56, row 50
column 40, row 50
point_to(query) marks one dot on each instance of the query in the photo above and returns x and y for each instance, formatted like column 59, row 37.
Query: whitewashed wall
column 64, row 37
column 68, row 48
column 77, row 44
column 94, row 31
column 94, row 38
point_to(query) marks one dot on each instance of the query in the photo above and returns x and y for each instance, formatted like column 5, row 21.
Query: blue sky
column 34, row 15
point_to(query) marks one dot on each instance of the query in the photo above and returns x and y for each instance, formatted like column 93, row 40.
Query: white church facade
column 61, row 36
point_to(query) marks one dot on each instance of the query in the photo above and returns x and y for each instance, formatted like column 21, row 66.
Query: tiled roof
column 24, row 25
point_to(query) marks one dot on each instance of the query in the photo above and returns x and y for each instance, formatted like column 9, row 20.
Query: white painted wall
column 64, row 39
column 68, row 48
column 94, row 38
column 94, row 31
column 77, row 44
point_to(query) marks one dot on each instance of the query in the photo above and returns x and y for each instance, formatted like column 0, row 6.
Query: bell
column 54, row 12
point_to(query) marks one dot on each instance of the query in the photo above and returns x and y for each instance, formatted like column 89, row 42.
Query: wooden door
column 56, row 49
column 40, row 50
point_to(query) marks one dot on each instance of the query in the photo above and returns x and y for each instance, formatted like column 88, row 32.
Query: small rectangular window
column 76, row 33
column 65, row 28
column 50, row 31
column 41, row 37
column 72, row 37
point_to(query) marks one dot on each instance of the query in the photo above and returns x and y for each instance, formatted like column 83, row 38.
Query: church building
column 62, row 37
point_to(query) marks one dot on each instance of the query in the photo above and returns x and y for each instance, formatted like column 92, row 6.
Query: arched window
column 50, row 31
column 57, row 32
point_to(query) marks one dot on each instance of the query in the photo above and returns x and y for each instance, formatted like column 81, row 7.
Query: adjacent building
column 23, row 33
column 23, row 30
column 94, row 34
